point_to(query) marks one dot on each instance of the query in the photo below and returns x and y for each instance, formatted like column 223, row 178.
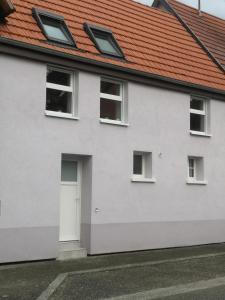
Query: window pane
column 191, row 173
column 197, row 122
column 191, row 167
column 137, row 166
column 110, row 109
column 54, row 29
column 191, row 163
column 110, row 88
column 59, row 101
column 69, row 171
column 105, row 42
column 58, row 77
column 105, row 45
column 197, row 104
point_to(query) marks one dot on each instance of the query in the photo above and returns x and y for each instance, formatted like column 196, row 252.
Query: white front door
column 70, row 197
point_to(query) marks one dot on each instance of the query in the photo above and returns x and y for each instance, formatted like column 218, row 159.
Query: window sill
column 111, row 122
column 60, row 115
column 200, row 133
column 146, row 180
column 195, row 182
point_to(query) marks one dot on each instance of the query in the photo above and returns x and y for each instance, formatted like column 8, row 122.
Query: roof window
column 104, row 40
column 53, row 27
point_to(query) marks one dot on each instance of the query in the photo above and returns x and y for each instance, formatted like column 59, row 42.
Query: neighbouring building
column 206, row 29
column 111, row 126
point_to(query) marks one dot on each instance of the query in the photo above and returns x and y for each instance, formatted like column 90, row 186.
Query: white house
column 111, row 125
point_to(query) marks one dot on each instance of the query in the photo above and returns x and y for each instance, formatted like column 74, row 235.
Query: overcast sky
column 215, row 7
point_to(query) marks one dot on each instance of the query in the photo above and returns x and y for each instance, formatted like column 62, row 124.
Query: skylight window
column 104, row 40
column 53, row 27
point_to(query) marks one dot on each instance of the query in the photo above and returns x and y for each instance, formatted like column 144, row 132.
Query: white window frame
column 204, row 112
column 144, row 177
column 59, row 87
column 120, row 98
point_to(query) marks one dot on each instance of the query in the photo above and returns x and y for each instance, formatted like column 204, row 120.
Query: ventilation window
column 53, row 27
column 104, row 40
column 142, row 167
column 196, row 170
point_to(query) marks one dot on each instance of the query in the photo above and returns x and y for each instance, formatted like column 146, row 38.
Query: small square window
column 104, row 40
column 60, row 92
column 142, row 166
column 53, row 27
column 195, row 169
column 199, row 116
column 112, row 102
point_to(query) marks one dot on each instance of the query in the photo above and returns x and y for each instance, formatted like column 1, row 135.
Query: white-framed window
column 196, row 170
column 60, row 94
column 112, row 101
column 199, row 115
column 142, row 166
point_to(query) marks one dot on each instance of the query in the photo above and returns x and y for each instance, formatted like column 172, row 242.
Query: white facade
column 117, row 214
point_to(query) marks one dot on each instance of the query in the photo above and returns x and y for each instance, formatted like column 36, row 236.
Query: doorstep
column 71, row 250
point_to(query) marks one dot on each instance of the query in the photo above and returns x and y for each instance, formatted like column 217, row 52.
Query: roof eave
column 217, row 93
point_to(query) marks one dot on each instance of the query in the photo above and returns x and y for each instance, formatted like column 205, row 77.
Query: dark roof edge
column 165, row 4
column 12, row 47
column 170, row 8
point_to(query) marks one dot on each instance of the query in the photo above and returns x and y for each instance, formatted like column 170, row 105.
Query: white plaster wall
column 159, row 122
column 32, row 143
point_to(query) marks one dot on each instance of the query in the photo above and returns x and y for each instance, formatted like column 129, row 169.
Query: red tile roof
column 208, row 28
column 153, row 41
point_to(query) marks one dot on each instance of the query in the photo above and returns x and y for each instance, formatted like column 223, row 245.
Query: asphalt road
column 150, row 282
column 172, row 274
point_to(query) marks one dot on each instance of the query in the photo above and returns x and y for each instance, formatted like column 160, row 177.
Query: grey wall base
column 109, row 238
column 34, row 243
